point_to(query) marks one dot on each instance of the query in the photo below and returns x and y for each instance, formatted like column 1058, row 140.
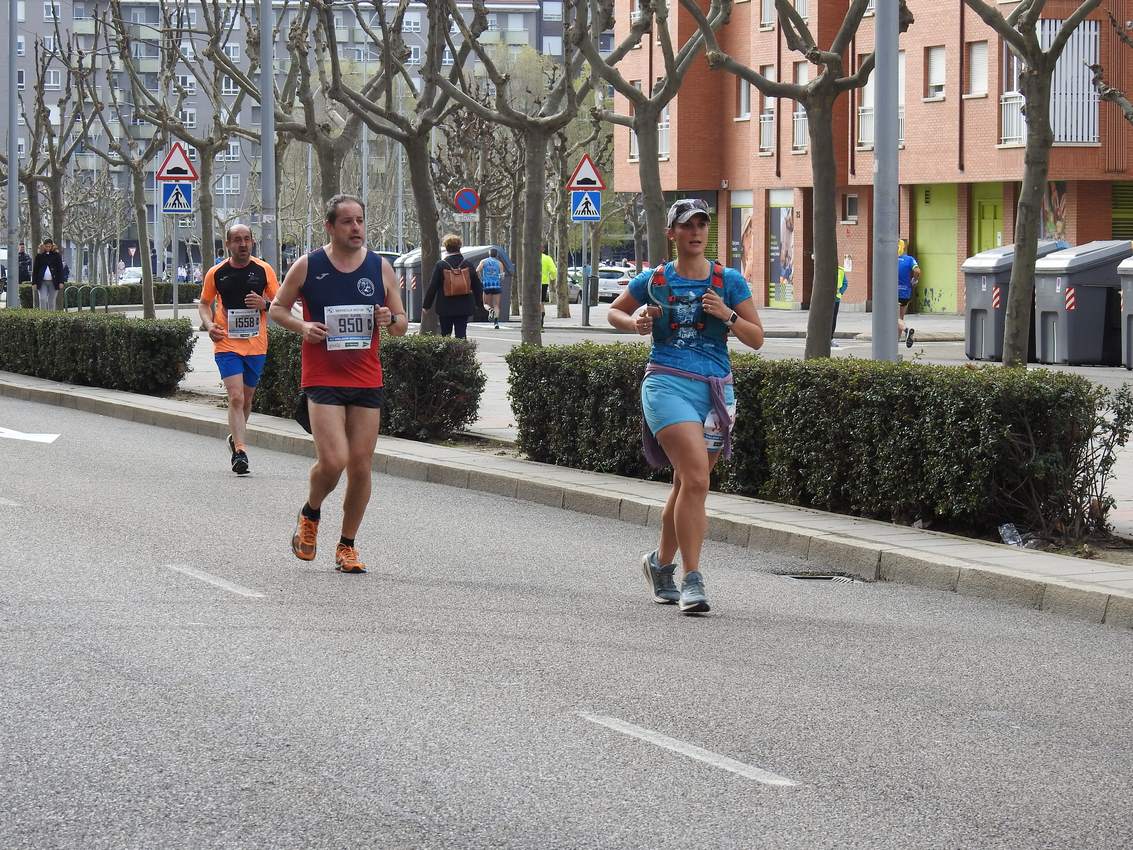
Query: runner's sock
column 346, row 541
column 311, row 513
column 240, row 447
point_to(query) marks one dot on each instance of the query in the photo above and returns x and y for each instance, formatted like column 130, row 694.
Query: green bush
column 433, row 384
column 964, row 448
column 128, row 293
column 98, row 350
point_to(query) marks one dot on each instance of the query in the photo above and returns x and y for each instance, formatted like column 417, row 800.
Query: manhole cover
column 817, row 577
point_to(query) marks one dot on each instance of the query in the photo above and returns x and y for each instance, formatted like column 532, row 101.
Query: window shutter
column 936, row 66
column 977, row 68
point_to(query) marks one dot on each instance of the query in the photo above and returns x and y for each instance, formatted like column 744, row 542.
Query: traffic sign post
column 586, row 206
column 585, row 186
column 585, row 176
column 467, row 202
column 177, row 166
column 177, row 198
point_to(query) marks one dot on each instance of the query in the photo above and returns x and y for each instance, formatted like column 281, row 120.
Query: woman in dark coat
column 454, row 311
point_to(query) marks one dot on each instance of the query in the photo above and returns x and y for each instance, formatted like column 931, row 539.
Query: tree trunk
column 330, row 172
column 825, row 236
column 138, row 179
column 35, row 215
column 531, row 283
column 562, row 226
column 652, row 196
column 638, row 236
column 421, row 181
column 55, row 192
column 208, row 231
column 515, row 237
column 1036, row 164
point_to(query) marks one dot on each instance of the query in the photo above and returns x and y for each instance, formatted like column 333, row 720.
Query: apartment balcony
column 866, row 128
column 767, row 132
column 1013, row 127
column 490, row 37
column 517, row 37
column 799, row 131
column 148, row 66
column 83, row 26
column 142, row 131
column 87, row 161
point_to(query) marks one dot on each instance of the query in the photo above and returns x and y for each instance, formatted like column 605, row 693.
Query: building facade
column 961, row 153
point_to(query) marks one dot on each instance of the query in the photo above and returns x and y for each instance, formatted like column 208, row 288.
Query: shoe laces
column 308, row 531
column 347, row 556
column 665, row 574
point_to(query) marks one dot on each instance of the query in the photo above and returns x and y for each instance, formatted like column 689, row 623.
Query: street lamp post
column 270, row 232
column 13, row 164
column 886, row 213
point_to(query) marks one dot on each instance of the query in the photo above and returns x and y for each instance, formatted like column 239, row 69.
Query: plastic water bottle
column 1009, row 534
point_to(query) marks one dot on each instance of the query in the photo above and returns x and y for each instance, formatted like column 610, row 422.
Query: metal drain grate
column 817, row 577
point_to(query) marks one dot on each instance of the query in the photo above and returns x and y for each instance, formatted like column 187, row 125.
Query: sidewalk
column 873, row 551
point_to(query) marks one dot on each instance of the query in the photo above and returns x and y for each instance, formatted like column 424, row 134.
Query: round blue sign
column 466, row 200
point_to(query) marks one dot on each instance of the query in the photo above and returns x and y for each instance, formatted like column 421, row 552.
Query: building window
column 767, row 113
column 493, row 22
column 232, row 51
column 552, row 10
column 1073, row 99
column 411, row 22
column 52, row 79
column 801, row 8
column 934, row 73
column 633, row 150
column 446, row 57
column 19, row 78
column 187, row 82
column 233, row 152
column 231, row 20
column 21, row 145
column 187, row 49
column 21, row 45
column 850, row 209
column 976, row 83
column 228, row 184
column 192, row 153
column 767, row 13
column 188, row 116
column 800, row 125
column 51, row 11
column 515, row 23
column 21, row 13
column 414, row 55
column 229, row 86
column 552, row 45
column 49, row 43
column 743, row 98
column 663, row 133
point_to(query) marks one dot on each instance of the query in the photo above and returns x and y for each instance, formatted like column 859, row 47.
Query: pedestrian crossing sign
column 176, row 198
column 586, row 205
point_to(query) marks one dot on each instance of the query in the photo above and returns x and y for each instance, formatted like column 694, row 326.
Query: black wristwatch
column 732, row 319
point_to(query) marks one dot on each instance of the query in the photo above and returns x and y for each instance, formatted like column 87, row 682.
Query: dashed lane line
column 216, row 581
column 692, row 751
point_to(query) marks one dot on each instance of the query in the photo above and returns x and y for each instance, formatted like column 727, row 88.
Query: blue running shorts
column 669, row 399
column 252, row 365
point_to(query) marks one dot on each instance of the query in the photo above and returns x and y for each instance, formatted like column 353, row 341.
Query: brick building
column 961, row 158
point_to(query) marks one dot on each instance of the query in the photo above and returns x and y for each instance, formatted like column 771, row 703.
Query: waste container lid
column 1126, row 267
column 1082, row 258
column 1001, row 259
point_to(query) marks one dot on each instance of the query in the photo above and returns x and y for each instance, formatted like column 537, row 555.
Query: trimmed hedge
column 127, row 293
column 966, row 448
column 98, row 350
column 433, row 384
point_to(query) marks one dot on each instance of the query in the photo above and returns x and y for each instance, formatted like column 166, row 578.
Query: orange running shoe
column 346, row 559
column 303, row 540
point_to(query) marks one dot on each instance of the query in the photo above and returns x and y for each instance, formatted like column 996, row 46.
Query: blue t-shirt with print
column 905, row 265
column 687, row 348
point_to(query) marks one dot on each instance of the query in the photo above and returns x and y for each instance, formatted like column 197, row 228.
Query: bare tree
column 1106, row 92
column 96, row 211
column 537, row 119
column 379, row 104
column 818, row 98
column 1019, row 30
column 130, row 144
column 646, row 105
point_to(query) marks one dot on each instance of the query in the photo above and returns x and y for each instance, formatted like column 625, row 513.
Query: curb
column 866, row 549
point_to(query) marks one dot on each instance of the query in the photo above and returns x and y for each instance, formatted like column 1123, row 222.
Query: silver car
column 612, row 282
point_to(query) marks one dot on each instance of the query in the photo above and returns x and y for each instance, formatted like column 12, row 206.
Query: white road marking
column 224, row 584
column 9, row 434
column 692, row 751
column 8, row 503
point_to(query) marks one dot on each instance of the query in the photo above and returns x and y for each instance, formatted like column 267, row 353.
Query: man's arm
column 285, row 299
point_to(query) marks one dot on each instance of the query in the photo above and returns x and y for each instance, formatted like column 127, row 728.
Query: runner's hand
column 215, row 333
column 253, row 301
column 314, row 332
column 643, row 321
column 384, row 317
column 714, row 305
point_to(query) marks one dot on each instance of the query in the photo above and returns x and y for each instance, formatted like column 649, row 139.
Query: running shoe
column 693, row 598
column 909, row 338
column 231, row 445
column 240, row 462
column 660, row 579
column 304, row 538
column 346, row 559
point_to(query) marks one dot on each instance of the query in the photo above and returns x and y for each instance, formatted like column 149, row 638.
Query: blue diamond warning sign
column 585, row 206
column 176, row 198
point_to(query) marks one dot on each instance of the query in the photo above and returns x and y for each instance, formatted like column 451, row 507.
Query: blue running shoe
column 660, row 579
column 693, row 598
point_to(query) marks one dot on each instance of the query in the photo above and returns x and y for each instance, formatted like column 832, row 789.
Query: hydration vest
column 666, row 325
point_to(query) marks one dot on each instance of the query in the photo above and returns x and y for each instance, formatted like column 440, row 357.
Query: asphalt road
column 171, row 677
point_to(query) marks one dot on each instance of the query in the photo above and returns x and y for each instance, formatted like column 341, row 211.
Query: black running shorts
column 347, row 396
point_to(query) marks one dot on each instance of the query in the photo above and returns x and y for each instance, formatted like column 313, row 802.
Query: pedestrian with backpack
column 689, row 307
column 456, row 289
column 491, row 272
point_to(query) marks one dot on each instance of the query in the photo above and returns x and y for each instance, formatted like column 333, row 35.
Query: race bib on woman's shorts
column 713, row 433
column 349, row 326
column 243, row 324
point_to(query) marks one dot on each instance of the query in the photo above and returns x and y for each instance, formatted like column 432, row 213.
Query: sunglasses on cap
column 685, row 209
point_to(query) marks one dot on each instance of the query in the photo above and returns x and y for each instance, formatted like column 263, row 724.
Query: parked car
column 612, row 282
column 133, row 274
